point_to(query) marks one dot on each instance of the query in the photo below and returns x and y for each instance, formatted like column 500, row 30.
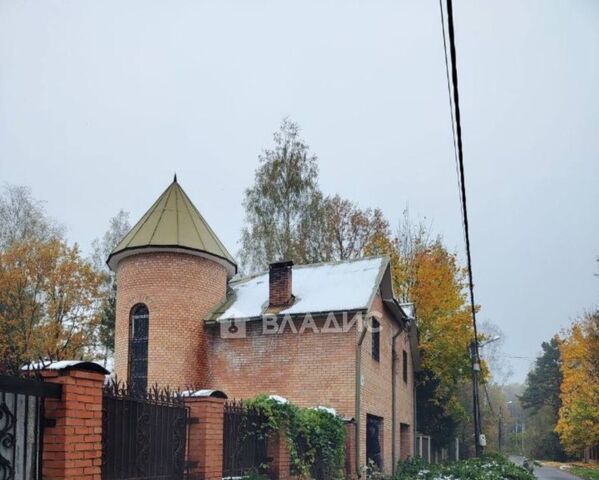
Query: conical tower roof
column 173, row 223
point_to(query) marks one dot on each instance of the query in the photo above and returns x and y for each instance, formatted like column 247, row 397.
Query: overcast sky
column 102, row 101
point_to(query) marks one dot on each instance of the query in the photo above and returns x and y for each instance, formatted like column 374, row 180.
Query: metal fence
column 21, row 426
column 423, row 447
column 244, row 440
column 143, row 436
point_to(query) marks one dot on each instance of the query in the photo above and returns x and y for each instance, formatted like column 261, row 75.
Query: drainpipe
column 359, row 394
column 414, row 398
column 393, row 400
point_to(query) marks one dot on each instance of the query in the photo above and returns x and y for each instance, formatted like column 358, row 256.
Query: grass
column 588, row 472
column 585, row 471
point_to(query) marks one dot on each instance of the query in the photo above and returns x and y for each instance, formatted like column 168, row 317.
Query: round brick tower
column 171, row 271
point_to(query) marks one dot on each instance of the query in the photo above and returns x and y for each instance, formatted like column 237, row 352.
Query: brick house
column 328, row 334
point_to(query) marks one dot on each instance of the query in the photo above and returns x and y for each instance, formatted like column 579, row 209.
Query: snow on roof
column 203, row 393
column 65, row 364
column 323, row 287
column 408, row 309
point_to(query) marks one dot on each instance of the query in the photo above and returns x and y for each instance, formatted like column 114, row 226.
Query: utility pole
column 499, row 429
column 475, row 397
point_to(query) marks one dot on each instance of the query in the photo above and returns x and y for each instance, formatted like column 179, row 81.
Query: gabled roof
column 318, row 289
column 173, row 223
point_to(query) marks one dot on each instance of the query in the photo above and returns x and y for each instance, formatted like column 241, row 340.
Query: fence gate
column 243, row 450
column 143, row 436
column 21, row 426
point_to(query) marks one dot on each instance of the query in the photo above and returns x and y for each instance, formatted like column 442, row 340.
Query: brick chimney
column 279, row 283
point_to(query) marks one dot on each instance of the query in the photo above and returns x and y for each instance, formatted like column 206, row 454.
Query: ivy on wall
column 315, row 437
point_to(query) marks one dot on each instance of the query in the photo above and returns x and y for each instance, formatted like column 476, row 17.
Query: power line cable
column 475, row 354
column 450, row 97
column 489, row 400
column 458, row 130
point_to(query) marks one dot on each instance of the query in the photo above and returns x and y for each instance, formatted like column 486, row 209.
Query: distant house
column 328, row 334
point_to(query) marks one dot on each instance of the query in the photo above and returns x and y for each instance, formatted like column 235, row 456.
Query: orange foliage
column 578, row 424
column 430, row 277
column 49, row 298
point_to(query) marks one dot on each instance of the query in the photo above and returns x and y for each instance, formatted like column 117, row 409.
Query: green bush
column 488, row 467
column 315, row 438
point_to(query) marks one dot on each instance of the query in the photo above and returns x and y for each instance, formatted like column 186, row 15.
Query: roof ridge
column 312, row 265
column 186, row 202
column 170, row 192
column 177, row 209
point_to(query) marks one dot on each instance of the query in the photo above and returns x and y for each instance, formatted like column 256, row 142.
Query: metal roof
column 348, row 285
column 173, row 223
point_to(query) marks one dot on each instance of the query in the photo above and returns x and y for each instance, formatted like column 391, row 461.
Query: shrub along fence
column 315, row 438
column 243, row 451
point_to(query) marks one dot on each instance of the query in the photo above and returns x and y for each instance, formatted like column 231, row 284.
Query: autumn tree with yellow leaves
column 49, row 303
column 428, row 275
column 578, row 424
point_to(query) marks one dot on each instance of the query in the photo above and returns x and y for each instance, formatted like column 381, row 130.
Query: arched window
column 138, row 348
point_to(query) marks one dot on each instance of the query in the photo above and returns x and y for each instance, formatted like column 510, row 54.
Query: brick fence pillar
column 205, row 447
column 72, row 441
column 350, row 449
column 278, row 456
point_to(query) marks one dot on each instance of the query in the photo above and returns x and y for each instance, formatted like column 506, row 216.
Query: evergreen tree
column 544, row 380
column 541, row 400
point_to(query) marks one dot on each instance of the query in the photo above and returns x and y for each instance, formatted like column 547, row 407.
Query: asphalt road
column 547, row 473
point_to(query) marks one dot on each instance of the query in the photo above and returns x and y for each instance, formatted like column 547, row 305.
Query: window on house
column 138, row 348
column 376, row 339
column 374, row 441
column 405, row 441
column 405, row 366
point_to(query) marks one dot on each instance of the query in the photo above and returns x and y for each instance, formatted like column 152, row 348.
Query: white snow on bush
column 330, row 410
column 278, row 399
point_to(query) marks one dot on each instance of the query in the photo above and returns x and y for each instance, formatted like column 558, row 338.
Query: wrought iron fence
column 244, row 441
column 21, row 425
column 143, row 435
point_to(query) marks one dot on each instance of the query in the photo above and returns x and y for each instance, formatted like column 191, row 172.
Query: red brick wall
column 319, row 369
column 350, row 451
column 309, row 369
column 205, row 447
column 73, row 446
column 377, row 387
column 278, row 451
column 280, row 281
column 179, row 290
